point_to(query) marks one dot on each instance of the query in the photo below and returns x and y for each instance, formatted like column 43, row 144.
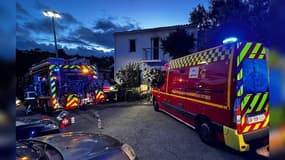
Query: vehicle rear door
column 252, row 105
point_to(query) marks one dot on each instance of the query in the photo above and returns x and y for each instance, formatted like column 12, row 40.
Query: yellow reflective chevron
column 243, row 52
column 245, row 101
column 240, row 91
column 53, row 89
column 253, row 103
column 256, row 48
column 247, row 128
column 266, row 121
column 263, row 51
column 52, row 66
column 239, row 76
column 257, row 126
column 261, row 104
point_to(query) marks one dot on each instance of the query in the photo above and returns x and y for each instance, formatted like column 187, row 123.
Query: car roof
column 20, row 123
column 76, row 145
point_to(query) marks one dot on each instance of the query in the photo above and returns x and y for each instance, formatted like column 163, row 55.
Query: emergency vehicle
column 60, row 85
column 222, row 92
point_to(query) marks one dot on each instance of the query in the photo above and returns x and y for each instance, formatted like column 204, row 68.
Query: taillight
column 106, row 89
column 237, row 118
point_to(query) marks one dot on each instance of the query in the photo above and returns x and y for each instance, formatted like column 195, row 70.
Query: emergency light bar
column 230, row 40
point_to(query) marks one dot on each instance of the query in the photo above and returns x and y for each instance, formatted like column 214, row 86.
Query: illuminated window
column 132, row 45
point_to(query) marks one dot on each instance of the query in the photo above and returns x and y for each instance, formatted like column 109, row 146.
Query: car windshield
column 30, row 149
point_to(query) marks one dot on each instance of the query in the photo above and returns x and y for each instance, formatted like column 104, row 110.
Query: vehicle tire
column 206, row 131
column 155, row 105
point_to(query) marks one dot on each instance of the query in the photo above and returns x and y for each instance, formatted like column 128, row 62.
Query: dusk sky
column 87, row 26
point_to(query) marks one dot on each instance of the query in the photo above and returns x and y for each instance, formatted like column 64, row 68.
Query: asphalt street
column 153, row 135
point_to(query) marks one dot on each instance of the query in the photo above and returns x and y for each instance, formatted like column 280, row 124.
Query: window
column 255, row 76
column 155, row 48
column 132, row 45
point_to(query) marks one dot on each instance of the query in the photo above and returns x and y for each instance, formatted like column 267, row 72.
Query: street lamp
column 53, row 14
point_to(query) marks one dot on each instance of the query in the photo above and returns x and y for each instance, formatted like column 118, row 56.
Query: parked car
column 110, row 89
column 18, row 102
column 30, row 101
column 74, row 145
column 34, row 128
column 20, row 107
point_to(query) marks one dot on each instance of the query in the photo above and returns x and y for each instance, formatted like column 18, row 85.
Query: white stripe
column 189, row 125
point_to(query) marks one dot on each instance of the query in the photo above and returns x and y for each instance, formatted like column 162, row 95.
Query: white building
column 144, row 45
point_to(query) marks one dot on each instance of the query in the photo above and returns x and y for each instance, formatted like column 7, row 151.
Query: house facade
column 144, row 46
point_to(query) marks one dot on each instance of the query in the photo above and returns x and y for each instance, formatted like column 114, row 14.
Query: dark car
column 74, row 145
column 33, row 128
column 111, row 90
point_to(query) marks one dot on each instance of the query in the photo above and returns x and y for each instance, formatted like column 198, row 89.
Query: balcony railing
column 149, row 53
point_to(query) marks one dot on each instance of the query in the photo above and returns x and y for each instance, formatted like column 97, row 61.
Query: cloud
column 73, row 40
column 102, row 32
column 71, row 33
column 26, row 43
column 105, row 25
column 21, row 12
column 105, row 39
column 40, row 5
column 68, row 19
column 88, row 52
column 42, row 26
column 109, row 24
column 21, row 31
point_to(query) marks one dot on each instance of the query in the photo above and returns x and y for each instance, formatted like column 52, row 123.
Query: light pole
column 53, row 14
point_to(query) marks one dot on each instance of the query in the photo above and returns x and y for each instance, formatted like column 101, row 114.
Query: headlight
column 129, row 151
column 18, row 102
column 52, row 126
column 59, row 118
column 113, row 88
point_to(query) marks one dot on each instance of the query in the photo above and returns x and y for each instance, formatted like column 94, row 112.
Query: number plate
column 255, row 119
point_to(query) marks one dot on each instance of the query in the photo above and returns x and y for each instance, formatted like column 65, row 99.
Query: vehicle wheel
column 155, row 105
column 206, row 131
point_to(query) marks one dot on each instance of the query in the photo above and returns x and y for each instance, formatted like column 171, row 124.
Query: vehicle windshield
column 30, row 149
column 255, row 76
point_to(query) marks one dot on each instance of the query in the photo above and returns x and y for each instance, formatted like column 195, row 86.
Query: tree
column 149, row 74
column 178, row 43
column 245, row 19
column 199, row 16
column 129, row 76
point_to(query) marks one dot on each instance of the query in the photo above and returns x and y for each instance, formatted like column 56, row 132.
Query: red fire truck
column 222, row 92
column 59, row 85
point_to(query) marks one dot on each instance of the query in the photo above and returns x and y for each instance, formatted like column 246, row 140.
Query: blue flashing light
column 230, row 40
column 32, row 134
column 56, row 69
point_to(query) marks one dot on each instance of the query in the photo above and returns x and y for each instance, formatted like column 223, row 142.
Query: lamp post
column 53, row 15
